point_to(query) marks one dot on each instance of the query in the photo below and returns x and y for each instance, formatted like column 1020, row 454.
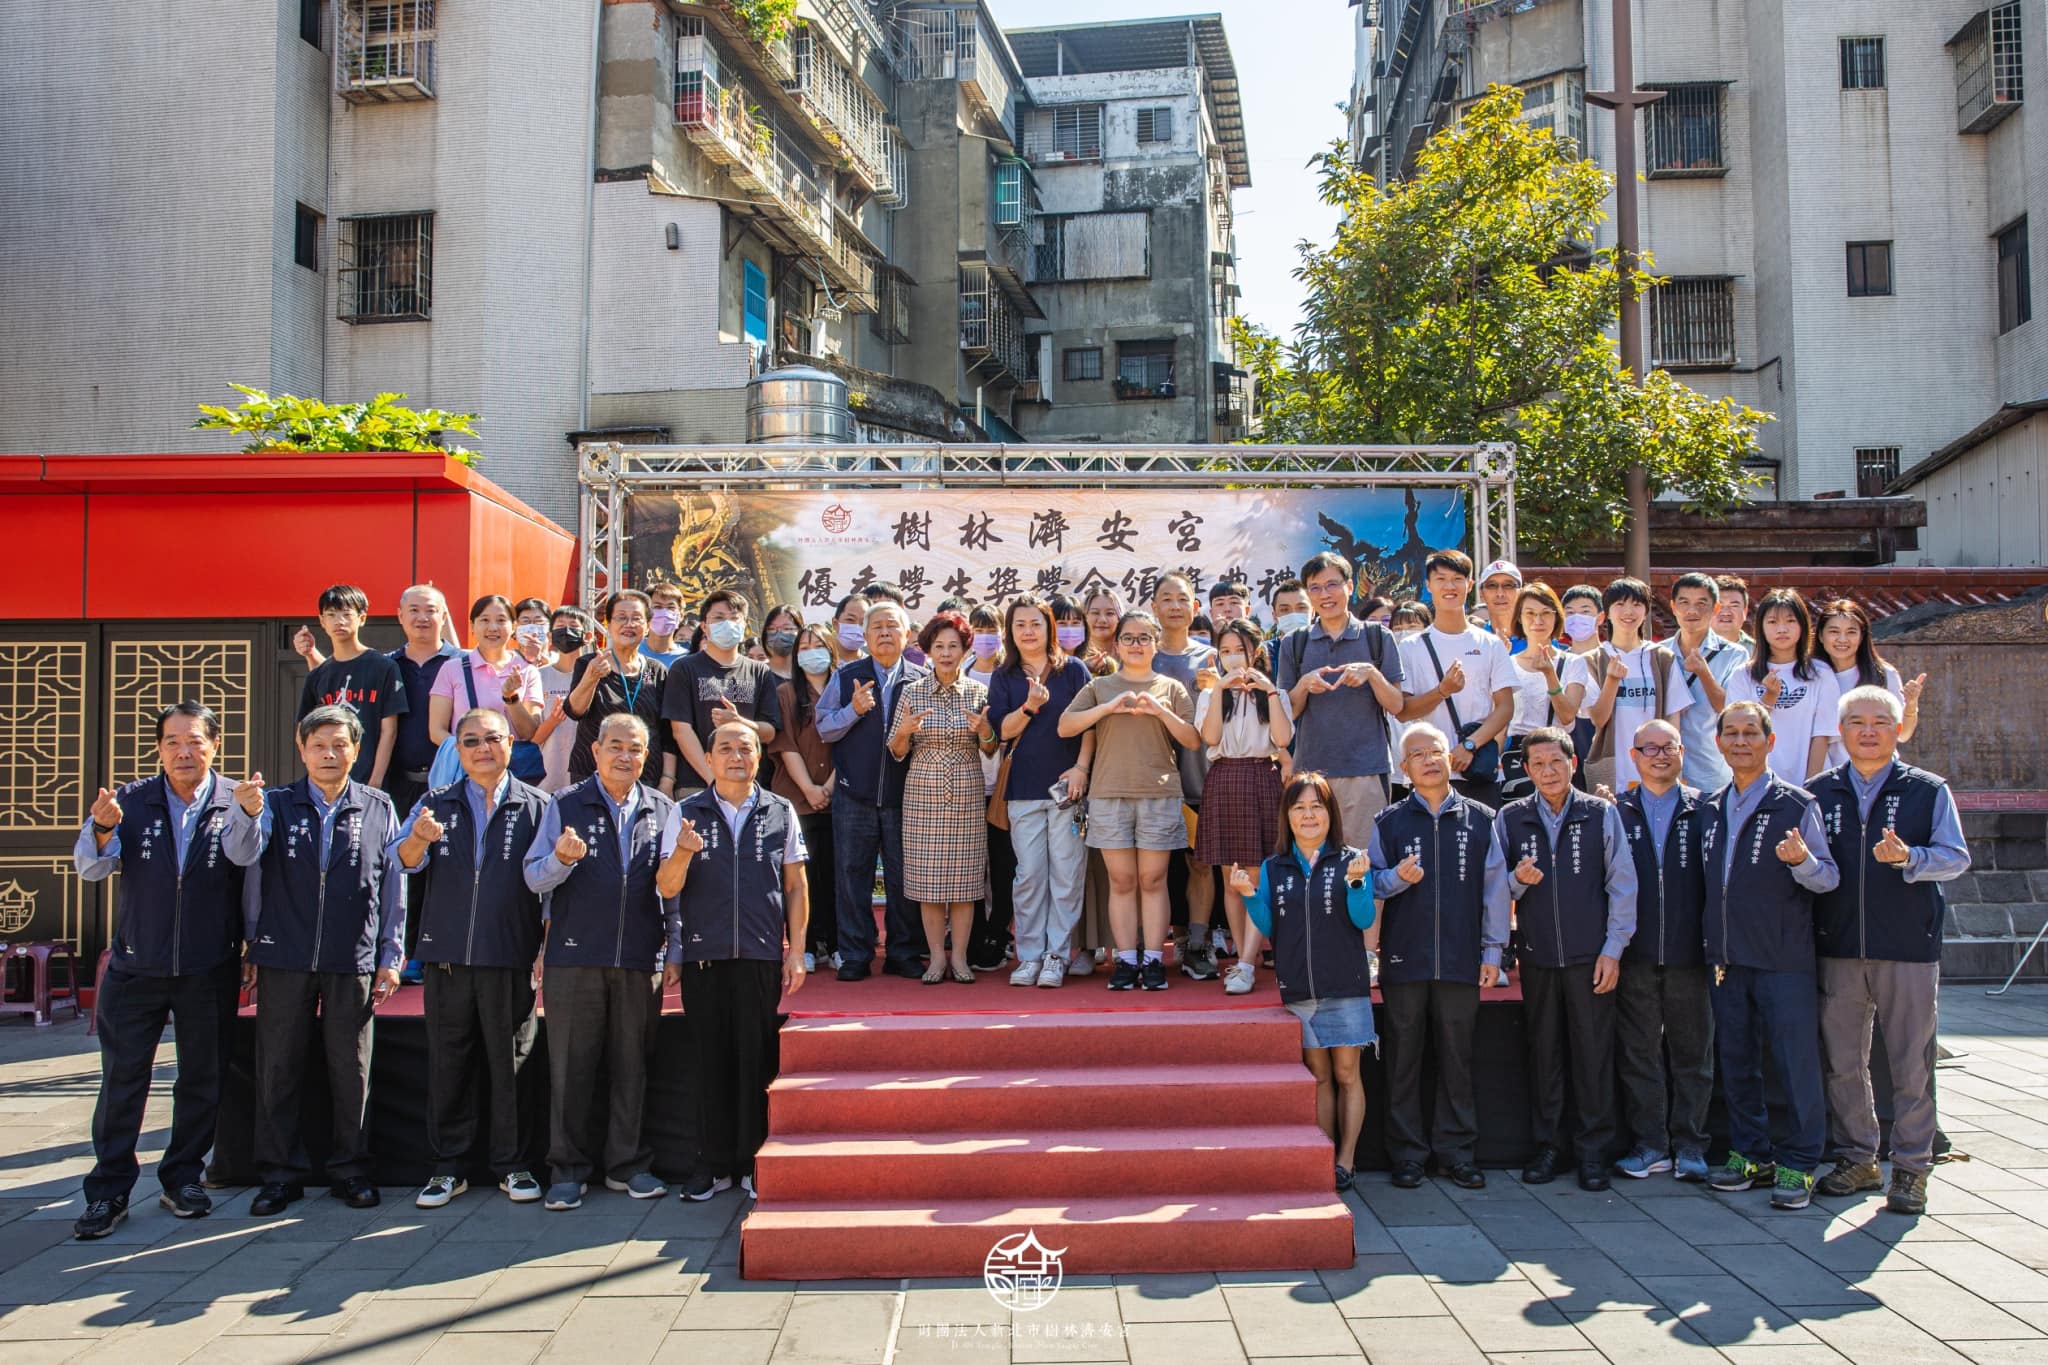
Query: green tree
column 284, row 422
column 1444, row 313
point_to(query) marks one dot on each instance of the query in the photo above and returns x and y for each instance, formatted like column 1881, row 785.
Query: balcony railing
column 935, row 44
column 384, row 50
column 1692, row 322
column 990, row 330
column 1989, row 85
column 898, row 194
column 843, row 106
column 726, row 125
column 775, row 55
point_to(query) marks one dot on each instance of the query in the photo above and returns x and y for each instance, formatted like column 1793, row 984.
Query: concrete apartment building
column 602, row 217
column 1839, row 195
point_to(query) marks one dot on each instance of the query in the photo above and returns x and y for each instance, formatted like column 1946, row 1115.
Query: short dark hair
column 486, row 602
column 1229, row 587
column 1696, row 579
column 666, row 589
column 345, row 597
column 958, row 604
column 475, row 716
column 1550, row 734
column 611, row 603
column 1625, row 590
column 1456, row 561
column 526, row 604
column 320, row 717
column 732, row 597
column 885, row 592
column 575, row 614
column 943, row 620
column 1580, row 592
column 1202, row 622
column 1747, row 708
column 1729, row 582
column 1323, row 562
column 1290, row 585
column 197, row 710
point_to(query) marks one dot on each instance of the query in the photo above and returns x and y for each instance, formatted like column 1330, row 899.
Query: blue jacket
column 1456, row 918
column 1875, row 912
column 476, row 914
column 173, row 919
column 1315, row 921
column 605, row 911
column 861, row 762
column 1668, row 894
column 1759, row 912
column 731, row 904
column 331, row 908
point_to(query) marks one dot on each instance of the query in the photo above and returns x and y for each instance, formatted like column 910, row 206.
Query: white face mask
column 1581, row 627
column 1293, row 620
column 534, row 634
column 726, row 633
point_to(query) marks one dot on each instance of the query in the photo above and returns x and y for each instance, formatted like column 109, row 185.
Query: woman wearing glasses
column 1134, row 796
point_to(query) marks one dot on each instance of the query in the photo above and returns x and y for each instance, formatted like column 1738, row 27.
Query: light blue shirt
column 1704, row 767
column 835, row 721
column 238, row 840
column 1948, row 857
column 1657, row 813
column 544, row 871
column 480, row 817
column 1817, row 874
column 1497, row 906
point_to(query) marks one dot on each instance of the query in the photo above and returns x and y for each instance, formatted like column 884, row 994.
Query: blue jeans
column 1755, row 1010
column 860, row 831
column 1052, row 866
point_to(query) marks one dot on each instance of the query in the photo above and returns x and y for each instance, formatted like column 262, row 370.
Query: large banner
column 990, row 544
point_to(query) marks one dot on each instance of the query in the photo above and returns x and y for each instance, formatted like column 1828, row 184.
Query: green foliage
column 768, row 20
column 1443, row 313
column 286, row 423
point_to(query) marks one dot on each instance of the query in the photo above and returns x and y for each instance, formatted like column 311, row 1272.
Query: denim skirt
column 1342, row 1022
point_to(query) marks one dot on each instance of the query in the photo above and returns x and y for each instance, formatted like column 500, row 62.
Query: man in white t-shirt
column 1629, row 683
column 1458, row 677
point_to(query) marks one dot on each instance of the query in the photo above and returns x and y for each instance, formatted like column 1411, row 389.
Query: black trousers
column 735, row 1051
column 599, row 1017
column 1414, row 1016
column 480, row 1027
column 132, row 1010
column 1563, row 1016
column 993, row 916
column 821, row 878
column 1659, row 1008
column 290, row 1008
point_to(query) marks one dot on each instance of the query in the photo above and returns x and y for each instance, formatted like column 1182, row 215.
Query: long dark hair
column 1013, row 658
column 1869, row 663
column 800, row 685
column 1802, row 661
column 1255, row 657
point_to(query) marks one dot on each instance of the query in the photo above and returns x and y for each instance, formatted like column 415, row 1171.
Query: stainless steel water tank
column 798, row 405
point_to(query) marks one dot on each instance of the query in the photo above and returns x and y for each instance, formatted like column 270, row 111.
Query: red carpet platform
column 1136, row 1132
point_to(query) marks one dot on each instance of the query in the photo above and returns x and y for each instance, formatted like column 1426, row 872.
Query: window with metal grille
column 306, row 237
column 1870, row 269
column 2015, row 281
column 794, row 307
column 310, row 27
column 1009, row 193
column 890, row 321
column 1077, row 132
column 1990, row 81
column 386, row 268
column 1876, row 467
column 1692, row 321
column 1082, row 362
column 1155, row 123
column 1685, row 131
column 1863, row 63
column 386, row 50
column 1092, row 246
column 1144, row 369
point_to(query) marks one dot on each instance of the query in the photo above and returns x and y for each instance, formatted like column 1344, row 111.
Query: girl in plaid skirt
column 1247, row 723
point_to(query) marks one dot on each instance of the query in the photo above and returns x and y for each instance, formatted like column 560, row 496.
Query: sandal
column 963, row 974
column 934, row 974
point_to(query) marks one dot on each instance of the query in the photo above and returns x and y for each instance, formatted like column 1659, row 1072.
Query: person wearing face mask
column 802, row 776
column 530, row 631
column 619, row 678
column 664, row 621
column 1247, row 722
column 1202, row 631
column 569, row 635
column 849, row 633
column 716, row 686
column 778, row 639
column 989, row 948
column 1290, row 607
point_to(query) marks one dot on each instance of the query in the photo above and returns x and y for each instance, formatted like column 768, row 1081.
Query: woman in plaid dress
column 942, row 727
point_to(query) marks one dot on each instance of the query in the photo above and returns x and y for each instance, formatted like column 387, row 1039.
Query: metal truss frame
column 609, row 473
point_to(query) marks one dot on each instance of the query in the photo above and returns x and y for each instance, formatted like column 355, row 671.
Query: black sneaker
column 1199, row 961
column 1125, row 977
column 101, row 1217
column 275, row 1198
column 702, row 1185
column 1152, row 976
column 187, row 1201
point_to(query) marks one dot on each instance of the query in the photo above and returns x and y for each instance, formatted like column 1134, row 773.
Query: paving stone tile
column 725, row 1302
column 1511, row 1315
column 966, row 1307
column 389, row 1246
column 1439, row 1340
column 927, row 1344
column 167, row 1333
column 536, row 1299
column 1272, row 1320
column 615, row 1331
column 1703, row 1222
column 1179, row 1343
column 1784, row 1276
column 315, row 1305
column 1723, row 1311
column 1649, row 1335
column 1650, row 1248
column 93, row 1309
column 1461, row 1254
column 1528, row 1227
column 1578, row 1207
column 1943, row 1308
column 1584, row 1282
column 1090, row 1312
column 255, row 1271
column 396, row 1330
column 1166, row 1298
column 836, row 1329
column 1381, row 1287
column 1983, row 1271
column 2023, row 1239
column 1428, row 1206
column 485, row 1348
column 1880, row 1335
column 724, row 1347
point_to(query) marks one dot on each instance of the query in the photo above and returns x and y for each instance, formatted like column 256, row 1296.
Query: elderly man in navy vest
column 1442, row 883
column 176, row 956
column 1664, row 1000
column 1575, row 884
column 326, row 921
column 867, row 798
column 1896, row 836
column 736, row 863
column 611, row 948
column 1767, row 857
column 479, row 934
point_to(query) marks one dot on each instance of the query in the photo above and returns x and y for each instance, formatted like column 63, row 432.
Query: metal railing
column 1989, row 83
column 1692, row 322
column 385, row 268
column 1685, row 132
column 843, row 105
column 954, row 44
column 990, row 329
column 384, row 50
column 724, row 123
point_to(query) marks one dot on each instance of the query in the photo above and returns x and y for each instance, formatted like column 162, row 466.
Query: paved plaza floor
column 1653, row 1270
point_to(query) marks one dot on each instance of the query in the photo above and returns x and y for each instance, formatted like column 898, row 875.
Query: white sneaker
column 1082, row 965
column 1240, row 979
column 1026, row 973
column 1053, row 973
column 835, row 961
column 810, row 963
column 1219, row 943
column 747, row 1184
column 439, row 1191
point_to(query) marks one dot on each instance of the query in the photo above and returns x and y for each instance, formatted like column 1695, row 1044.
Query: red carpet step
column 1142, row 1141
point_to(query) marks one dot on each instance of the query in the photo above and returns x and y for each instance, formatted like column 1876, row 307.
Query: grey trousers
column 1901, row 997
column 599, row 1017
column 1659, row 1008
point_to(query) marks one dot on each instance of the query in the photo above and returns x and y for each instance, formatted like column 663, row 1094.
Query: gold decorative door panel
column 144, row 676
column 43, row 689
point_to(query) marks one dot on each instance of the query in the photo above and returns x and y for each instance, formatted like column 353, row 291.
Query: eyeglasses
column 1319, row 589
column 472, row 741
column 1657, row 750
column 1134, row 639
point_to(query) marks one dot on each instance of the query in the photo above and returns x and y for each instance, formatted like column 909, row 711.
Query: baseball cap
column 1501, row 566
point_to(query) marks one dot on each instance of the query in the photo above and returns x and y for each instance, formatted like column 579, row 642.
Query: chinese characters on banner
column 990, row 544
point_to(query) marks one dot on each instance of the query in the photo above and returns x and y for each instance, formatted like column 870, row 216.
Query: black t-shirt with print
column 368, row 685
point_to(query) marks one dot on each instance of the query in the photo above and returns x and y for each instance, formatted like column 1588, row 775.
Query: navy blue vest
column 1668, row 897
column 1757, row 916
column 1562, row 920
column 480, row 916
column 732, row 904
column 1876, row 912
column 861, row 757
column 320, row 910
column 1318, row 953
column 1432, row 931
column 172, row 920
column 608, row 913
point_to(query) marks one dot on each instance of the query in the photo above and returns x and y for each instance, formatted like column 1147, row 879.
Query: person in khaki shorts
column 1342, row 676
column 1134, row 793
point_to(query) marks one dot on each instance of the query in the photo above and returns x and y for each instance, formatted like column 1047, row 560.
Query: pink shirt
column 490, row 684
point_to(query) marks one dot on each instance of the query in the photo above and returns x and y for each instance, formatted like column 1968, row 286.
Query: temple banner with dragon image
column 990, row 544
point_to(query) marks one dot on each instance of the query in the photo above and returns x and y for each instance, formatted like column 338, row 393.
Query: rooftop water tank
column 798, row 405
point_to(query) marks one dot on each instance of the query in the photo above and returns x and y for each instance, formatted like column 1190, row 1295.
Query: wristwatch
column 1468, row 746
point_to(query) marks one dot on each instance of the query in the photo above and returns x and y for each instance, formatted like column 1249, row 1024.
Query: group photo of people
column 1683, row 825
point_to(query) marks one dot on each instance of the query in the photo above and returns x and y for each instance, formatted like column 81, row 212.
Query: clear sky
column 1294, row 73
